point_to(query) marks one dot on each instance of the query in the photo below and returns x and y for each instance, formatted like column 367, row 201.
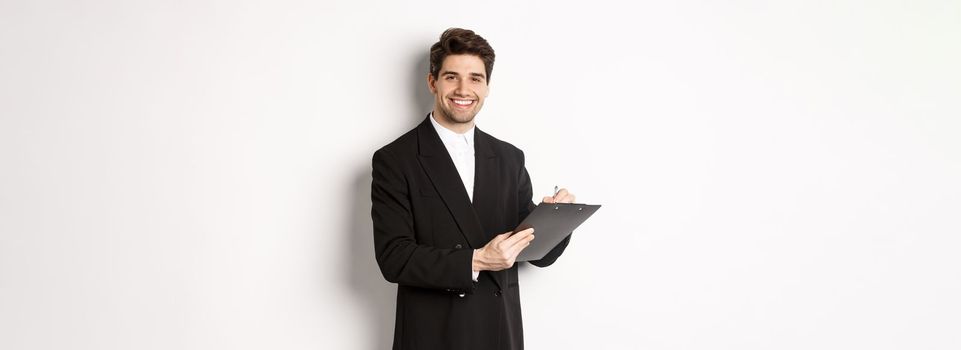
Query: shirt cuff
column 474, row 275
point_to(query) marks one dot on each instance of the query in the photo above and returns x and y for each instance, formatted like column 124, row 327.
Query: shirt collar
column 452, row 139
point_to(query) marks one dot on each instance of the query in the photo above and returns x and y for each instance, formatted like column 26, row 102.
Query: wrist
column 475, row 262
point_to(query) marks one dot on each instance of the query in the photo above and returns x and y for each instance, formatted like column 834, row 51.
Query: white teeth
column 463, row 102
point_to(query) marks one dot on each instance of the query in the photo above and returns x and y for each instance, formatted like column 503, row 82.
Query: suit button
column 458, row 246
column 461, row 295
column 497, row 293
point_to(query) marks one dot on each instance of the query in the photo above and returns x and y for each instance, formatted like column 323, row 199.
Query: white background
column 195, row 174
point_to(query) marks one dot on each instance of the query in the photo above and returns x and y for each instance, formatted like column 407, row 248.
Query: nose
column 461, row 89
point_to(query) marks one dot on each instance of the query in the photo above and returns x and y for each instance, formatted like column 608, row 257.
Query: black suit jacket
column 425, row 231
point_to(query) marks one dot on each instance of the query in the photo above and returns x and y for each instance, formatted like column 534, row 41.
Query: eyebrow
column 447, row 72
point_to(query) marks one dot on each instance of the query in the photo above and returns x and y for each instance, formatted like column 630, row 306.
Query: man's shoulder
column 502, row 147
column 405, row 144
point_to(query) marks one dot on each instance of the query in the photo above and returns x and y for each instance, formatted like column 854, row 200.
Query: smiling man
column 445, row 197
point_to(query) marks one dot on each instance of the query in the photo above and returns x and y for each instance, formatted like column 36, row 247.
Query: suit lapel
column 487, row 203
column 486, row 170
column 440, row 169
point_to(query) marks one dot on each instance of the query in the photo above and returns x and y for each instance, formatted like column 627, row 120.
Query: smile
column 462, row 103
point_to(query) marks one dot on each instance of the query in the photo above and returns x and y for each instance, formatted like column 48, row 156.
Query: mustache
column 463, row 97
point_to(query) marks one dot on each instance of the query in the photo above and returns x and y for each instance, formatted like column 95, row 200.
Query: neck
column 451, row 125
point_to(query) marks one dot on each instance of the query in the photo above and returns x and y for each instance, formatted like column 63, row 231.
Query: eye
column 477, row 80
column 449, row 77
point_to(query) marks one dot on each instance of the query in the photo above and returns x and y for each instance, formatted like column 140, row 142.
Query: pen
column 555, row 191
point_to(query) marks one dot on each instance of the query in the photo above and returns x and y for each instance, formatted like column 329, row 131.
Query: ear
column 430, row 83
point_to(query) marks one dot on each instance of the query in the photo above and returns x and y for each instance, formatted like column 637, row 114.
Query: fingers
column 504, row 241
column 501, row 252
column 517, row 237
column 512, row 248
column 563, row 196
column 548, row 199
column 520, row 245
column 501, row 237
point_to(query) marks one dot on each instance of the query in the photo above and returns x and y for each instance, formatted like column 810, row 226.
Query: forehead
column 464, row 64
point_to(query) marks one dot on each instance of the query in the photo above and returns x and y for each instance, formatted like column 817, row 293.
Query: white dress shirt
column 461, row 149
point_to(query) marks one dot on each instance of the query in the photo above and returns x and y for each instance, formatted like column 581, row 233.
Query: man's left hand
column 562, row 196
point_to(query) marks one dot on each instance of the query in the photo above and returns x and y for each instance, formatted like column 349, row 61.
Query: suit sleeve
column 526, row 206
column 400, row 258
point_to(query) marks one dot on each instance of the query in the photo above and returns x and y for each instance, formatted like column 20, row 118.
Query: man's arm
column 401, row 259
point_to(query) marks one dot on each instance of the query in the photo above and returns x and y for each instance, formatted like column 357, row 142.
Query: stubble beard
column 456, row 118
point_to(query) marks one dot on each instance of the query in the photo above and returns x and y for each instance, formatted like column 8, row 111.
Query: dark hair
column 457, row 41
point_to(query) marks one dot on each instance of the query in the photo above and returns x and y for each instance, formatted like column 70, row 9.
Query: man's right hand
column 500, row 252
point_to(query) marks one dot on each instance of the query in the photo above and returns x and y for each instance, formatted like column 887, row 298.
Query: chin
column 464, row 119
column 461, row 117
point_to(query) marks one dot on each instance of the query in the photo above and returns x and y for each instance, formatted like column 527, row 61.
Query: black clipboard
column 552, row 222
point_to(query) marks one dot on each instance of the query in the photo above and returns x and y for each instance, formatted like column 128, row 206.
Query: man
column 445, row 198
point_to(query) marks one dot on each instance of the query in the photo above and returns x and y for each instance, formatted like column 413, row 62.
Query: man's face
column 459, row 89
